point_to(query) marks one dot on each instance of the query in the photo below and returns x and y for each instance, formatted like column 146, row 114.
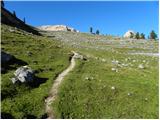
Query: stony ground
column 88, row 41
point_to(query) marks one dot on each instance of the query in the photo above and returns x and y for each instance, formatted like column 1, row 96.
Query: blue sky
column 109, row 17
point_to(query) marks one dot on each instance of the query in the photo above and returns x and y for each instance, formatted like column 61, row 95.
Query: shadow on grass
column 13, row 89
column 36, row 82
column 45, row 116
column 28, row 116
column 9, row 65
column 5, row 115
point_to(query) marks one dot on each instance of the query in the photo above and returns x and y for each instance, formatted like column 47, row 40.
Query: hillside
column 117, row 79
column 9, row 19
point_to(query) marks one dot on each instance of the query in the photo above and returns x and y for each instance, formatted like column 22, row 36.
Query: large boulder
column 129, row 34
column 23, row 74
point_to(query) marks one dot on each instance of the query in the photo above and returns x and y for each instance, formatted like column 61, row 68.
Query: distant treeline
column 152, row 35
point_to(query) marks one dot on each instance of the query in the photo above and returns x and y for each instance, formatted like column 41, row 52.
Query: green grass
column 79, row 97
column 22, row 101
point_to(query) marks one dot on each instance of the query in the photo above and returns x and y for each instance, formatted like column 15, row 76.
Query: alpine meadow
column 62, row 61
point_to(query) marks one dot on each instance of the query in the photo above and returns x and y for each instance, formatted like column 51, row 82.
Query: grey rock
column 141, row 66
column 113, row 88
column 114, row 69
column 78, row 56
column 23, row 74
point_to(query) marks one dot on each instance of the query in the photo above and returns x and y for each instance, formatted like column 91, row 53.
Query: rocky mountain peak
column 57, row 28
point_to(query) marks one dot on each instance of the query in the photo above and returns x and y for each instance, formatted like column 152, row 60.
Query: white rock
column 87, row 78
column 134, row 60
column 129, row 34
column 23, row 74
column 103, row 60
column 146, row 99
column 141, row 66
column 113, row 88
column 114, row 69
column 125, row 65
column 126, row 59
column 115, row 61
column 144, row 61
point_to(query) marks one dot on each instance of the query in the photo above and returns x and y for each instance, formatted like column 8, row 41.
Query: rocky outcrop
column 57, row 28
column 23, row 74
column 129, row 34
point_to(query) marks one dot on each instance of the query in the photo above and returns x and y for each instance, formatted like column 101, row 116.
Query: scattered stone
column 86, row 78
column 144, row 61
column 114, row 69
column 78, row 56
column 146, row 99
column 23, row 74
column 103, row 60
column 134, row 60
column 113, row 88
column 125, row 65
column 115, row 61
column 126, row 59
column 129, row 94
column 141, row 66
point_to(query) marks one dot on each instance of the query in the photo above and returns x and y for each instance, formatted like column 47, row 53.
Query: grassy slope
column 22, row 101
column 78, row 97
column 81, row 98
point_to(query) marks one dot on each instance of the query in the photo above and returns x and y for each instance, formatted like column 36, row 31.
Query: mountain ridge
column 57, row 28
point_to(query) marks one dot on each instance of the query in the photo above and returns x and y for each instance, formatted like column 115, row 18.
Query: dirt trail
column 54, row 90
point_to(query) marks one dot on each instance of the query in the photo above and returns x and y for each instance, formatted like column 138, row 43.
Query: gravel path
column 54, row 90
